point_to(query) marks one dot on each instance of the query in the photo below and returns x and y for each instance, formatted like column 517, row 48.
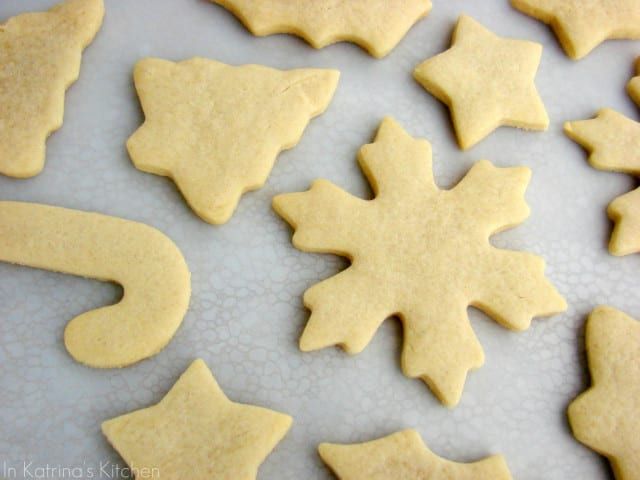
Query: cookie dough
column 606, row 417
column 196, row 432
column 217, row 129
column 486, row 81
column 375, row 25
column 633, row 87
column 582, row 25
column 148, row 265
column 40, row 56
column 420, row 253
column 404, row 455
column 613, row 141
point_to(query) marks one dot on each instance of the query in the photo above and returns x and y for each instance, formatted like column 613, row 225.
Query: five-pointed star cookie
column 614, row 143
column 582, row 25
column 217, row 129
column 486, row 81
column 607, row 416
column 376, row 25
column 40, row 57
column 404, row 456
column 196, row 432
column 420, row 253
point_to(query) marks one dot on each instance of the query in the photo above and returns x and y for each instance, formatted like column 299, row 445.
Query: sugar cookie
column 633, row 87
column 486, row 81
column 582, row 25
column 614, row 143
column 375, row 25
column 606, row 417
column 196, row 432
column 40, row 56
column 216, row 129
column 148, row 265
column 404, row 455
column 420, row 253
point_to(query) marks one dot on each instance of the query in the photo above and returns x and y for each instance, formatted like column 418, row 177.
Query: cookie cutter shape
column 605, row 417
column 486, row 81
column 404, row 455
column 217, row 129
column 40, row 55
column 149, row 266
column 196, row 432
column 582, row 25
column 613, row 141
column 419, row 253
column 376, row 25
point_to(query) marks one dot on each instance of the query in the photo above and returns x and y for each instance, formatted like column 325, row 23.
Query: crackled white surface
column 246, row 310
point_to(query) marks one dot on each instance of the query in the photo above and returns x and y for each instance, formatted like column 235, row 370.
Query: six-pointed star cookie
column 614, row 143
column 582, row 25
column 196, row 432
column 607, row 416
column 40, row 57
column 376, row 25
column 420, row 253
column 404, row 456
column 217, row 129
column 486, row 81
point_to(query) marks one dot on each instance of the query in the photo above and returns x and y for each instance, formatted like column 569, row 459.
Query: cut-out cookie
column 216, row 129
column 196, row 432
column 633, row 87
column 486, row 81
column 420, row 253
column 404, row 455
column 148, row 265
column 606, row 417
column 40, row 56
column 375, row 25
column 582, row 25
column 613, row 141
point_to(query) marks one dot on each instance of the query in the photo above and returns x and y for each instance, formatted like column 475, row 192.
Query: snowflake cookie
column 607, row 416
column 404, row 455
column 582, row 25
column 420, row 253
column 614, row 143
column 148, row 265
column 40, row 56
column 216, row 129
column 486, row 81
column 196, row 432
column 376, row 25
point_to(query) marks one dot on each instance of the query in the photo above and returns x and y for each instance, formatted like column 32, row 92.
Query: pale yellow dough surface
column 404, row 456
column 217, row 129
column 197, row 433
column 633, row 87
column 40, row 56
column 148, row 265
column 420, row 253
column 486, row 81
column 613, row 141
column 606, row 417
column 582, row 25
column 375, row 25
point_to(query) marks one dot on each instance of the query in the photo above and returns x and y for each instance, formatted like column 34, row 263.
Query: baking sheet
column 246, row 309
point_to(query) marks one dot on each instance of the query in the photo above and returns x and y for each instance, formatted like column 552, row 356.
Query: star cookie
column 606, row 417
column 145, row 262
column 375, row 25
column 420, row 253
column 196, row 432
column 582, row 25
column 216, row 129
column 614, row 143
column 633, row 87
column 404, row 455
column 40, row 56
column 486, row 81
